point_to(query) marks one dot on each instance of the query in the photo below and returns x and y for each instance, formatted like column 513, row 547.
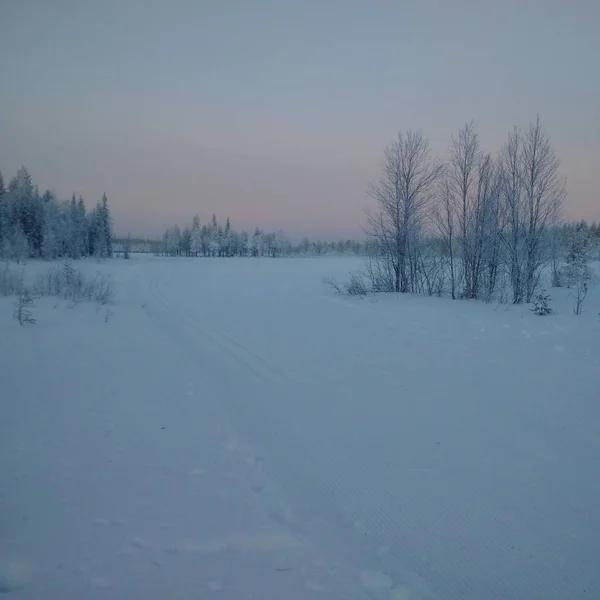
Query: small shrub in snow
column 581, row 291
column 100, row 289
column 333, row 283
column 355, row 286
column 66, row 282
column 541, row 303
column 23, row 312
column 380, row 271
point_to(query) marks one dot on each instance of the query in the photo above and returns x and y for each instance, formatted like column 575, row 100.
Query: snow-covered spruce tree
column 205, row 240
column 196, row 237
column 541, row 303
column 172, row 241
column 50, row 242
column 76, row 229
column 18, row 244
column 282, row 244
column 226, row 239
column 82, row 224
column 106, row 226
column 20, row 188
column 51, row 217
column 74, row 239
column 219, row 245
column 185, row 243
column 255, row 243
column 213, row 237
column 234, row 243
column 595, row 237
column 268, row 240
column 100, row 230
column 97, row 246
column 27, row 210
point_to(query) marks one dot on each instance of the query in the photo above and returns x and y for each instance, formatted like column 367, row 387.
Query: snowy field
column 232, row 429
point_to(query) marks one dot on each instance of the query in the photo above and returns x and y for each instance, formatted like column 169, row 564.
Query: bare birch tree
column 402, row 195
column 533, row 194
column 444, row 219
column 544, row 194
column 512, row 236
column 483, row 232
column 491, row 251
column 463, row 180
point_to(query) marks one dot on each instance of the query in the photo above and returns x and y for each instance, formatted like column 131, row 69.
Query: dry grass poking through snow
column 63, row 281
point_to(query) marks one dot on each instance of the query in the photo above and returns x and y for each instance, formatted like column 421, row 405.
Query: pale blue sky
column 277, row 112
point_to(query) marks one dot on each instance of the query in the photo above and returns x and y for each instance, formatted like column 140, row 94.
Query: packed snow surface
column 234, row 429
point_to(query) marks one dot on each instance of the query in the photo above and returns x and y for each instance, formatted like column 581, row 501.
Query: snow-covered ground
column 233, row 429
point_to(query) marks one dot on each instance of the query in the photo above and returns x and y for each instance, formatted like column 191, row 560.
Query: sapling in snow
column 541, row 303
column 23, row 312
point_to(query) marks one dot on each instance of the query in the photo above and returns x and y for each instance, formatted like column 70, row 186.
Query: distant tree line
column 41, row 226
column 213, row 239
column 473, row 225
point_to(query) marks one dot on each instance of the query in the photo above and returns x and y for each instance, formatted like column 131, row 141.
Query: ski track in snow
column 441, row 450
column 257, row 365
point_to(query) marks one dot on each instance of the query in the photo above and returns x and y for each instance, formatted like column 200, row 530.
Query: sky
column 276, row 113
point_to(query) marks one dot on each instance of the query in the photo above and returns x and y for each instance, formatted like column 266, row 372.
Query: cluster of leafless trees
column 473, row 225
